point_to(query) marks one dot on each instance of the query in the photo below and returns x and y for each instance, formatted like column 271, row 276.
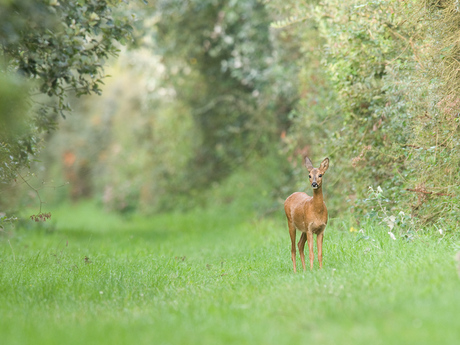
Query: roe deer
column 308, row 215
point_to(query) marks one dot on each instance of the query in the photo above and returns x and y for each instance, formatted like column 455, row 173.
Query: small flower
column 441, row 231
column 390, row 221
column 101, row 292
column 352, row 229
column 379, row 190
column 392, row 235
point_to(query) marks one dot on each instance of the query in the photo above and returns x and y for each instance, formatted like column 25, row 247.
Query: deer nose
column 314, row 185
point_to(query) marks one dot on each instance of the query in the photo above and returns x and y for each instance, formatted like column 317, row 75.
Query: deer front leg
column 319, row 245
column 292, row 234
column 301, row 245
column 310, row 248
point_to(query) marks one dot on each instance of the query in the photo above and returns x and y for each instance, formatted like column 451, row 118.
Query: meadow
column 221, row 276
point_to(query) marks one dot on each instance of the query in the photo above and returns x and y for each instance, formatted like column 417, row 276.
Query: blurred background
column 171, row 105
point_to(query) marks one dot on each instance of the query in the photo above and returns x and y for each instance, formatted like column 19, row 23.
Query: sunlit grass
column 210, row 277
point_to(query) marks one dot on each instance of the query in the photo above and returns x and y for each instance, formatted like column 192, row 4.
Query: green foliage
column 15, row 140
column 65, row 47
column 130, row 147
column 361, row 60
column 62, row 47
column 385, row 109
column 176, row 121
column 373, row 85
column 222, row 63
column 96, row 149
column 316, row 116
column 435, row 113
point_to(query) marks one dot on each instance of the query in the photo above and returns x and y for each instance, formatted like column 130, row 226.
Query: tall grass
column 217, row 277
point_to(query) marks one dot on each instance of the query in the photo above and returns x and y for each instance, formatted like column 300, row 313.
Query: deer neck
column 317, row 201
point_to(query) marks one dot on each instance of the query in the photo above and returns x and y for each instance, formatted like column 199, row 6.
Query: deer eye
column 309, row 176
column 320, row 175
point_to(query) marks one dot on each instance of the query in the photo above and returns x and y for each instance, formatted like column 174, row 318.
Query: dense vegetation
column 49, row 50
column 209, row 86
column 392, row 120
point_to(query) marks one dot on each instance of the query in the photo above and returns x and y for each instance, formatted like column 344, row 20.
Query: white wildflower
column 390, row 221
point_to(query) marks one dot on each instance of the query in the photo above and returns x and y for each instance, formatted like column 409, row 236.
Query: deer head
column 316, row 174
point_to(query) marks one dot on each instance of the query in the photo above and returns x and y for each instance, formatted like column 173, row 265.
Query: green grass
column 220, row 277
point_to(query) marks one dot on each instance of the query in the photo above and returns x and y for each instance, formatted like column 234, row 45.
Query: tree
column 50, row 49
column 223, row 62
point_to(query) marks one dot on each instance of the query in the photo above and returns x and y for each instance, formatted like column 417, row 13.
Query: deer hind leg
column 319, row 245
column 301, row 245
column 292, row 234
column 310, row 248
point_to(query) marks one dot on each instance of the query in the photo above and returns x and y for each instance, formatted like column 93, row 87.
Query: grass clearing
column 209, row 276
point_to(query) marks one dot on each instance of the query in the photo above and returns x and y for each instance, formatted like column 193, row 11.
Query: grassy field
column 221, row 276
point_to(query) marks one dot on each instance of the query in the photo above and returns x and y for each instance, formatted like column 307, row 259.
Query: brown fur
column 308, row 215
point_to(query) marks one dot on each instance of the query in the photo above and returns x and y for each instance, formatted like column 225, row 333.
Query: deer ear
column 324, row 165
column 308, row 164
